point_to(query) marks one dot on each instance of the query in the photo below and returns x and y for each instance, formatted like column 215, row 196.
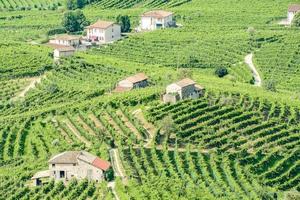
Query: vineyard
column 238, row 141
column 107, row 4
column 29, row 4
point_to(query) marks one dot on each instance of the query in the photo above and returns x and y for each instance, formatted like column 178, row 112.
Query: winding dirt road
column 249, row 62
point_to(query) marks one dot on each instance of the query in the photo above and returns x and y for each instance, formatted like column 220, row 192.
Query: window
column 53, row 165
column 74, row 164
column 112, row 30
column 61, row 174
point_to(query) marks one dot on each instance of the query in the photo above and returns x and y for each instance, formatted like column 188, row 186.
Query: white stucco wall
column 58, row 54
column 149, row 23
column 81, row 170
column 65, row 42
column 291, row 16
column 110, row 34
column 173, row 88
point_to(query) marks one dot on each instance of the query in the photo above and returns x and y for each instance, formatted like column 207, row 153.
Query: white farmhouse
column 156, row 19
column 66, row 40
column 63, row 51
column 103, row 32
column 292, row 11
column 72, row 164
column 183, row 89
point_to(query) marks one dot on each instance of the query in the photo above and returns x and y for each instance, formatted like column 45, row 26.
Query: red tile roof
column 101, row 164
column 185, row 82
column 137, row 78
column 101, row 24
column 294, row 8
column 157, row 14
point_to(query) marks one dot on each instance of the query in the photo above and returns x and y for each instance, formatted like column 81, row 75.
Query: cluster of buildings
column 183, row 89
column 73, row 164
column 103, row 32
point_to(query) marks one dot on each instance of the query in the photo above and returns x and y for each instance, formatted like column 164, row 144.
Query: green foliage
column 221, row 72
column 270, row 85
column 74, row 21
column 296, row 20
column 124, row 21
column 75, row 4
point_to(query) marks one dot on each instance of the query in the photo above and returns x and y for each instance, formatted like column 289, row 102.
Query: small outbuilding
column 183, row 89
column 139, row 80
column 66, row 40
column 292, row 11
column 73, row 164
column 156, row 19
column 103, row 32
column 63, row 51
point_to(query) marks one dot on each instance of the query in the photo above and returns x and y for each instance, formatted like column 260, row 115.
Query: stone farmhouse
column 66, row 40
column 103, row 32
column 139, row 80
column 72, row 164
column 156, row 19
column 292, row 11
column 183, row 89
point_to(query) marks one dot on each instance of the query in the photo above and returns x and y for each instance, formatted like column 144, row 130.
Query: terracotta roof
column 67, row 37
column 294, row 8
column 101, row 164
column 101, row 24
column 61, row 47
column 157, row 14
column 41, row 174
column 185, row 82
column 72, row 157
column 137, row 78
column 67, row 157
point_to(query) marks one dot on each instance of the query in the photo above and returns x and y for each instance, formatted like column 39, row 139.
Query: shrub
column 221, row 71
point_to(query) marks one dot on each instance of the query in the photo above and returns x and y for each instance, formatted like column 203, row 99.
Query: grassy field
column 237, row 142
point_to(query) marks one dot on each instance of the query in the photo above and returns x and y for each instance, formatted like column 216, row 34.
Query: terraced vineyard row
column 13, row 64
column 279, row 61
column 106, row 4
column 263, row 134
column 29, row 4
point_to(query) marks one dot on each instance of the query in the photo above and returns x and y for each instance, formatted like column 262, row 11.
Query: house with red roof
column 73, row 164
column 103, row 32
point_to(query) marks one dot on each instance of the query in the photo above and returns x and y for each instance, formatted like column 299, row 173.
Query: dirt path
column 76, row 133
column 112, row 186
column 181, row 150
column 116, row 163
column 249, row 62
column 150, row 128
column 33, row 82
column 129, row 125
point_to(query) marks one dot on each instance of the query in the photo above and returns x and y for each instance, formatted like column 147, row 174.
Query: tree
column 167, row 125
column 124, row 21
column 74, row 4
column 74, row 21
column 221, row 72
column 296, row 20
